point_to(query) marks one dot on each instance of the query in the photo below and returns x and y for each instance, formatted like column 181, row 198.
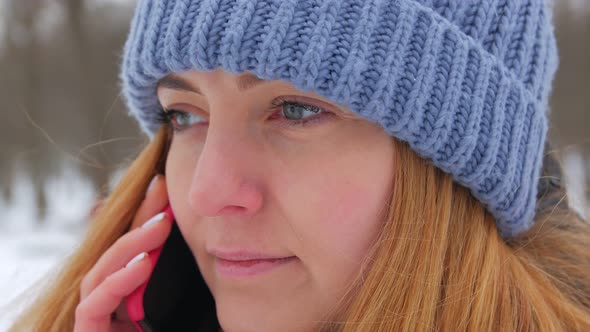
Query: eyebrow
column 174, row 82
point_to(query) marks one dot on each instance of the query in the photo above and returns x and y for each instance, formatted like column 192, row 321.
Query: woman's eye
column 181, row 120
column 298, row 114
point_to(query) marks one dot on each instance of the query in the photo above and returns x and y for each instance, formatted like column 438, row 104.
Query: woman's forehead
column 190, row 81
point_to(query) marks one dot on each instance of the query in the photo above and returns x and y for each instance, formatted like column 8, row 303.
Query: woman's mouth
column 251, row 267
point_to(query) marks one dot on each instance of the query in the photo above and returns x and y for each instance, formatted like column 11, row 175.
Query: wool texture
column 466, row 83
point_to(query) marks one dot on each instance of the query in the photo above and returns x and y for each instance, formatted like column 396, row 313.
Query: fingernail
column 152, row 184
column 136, row 259
column 158, row 217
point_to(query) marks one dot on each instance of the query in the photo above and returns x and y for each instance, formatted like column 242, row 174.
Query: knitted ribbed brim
column 465, row 83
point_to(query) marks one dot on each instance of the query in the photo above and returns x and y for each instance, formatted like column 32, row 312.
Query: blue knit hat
column 465, row 82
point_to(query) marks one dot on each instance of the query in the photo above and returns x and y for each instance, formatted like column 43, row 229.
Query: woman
column 383, row 158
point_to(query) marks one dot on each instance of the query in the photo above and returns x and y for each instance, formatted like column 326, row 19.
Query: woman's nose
column 225, row 179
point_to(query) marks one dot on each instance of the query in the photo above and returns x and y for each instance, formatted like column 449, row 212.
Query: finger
column 155, row 201
column 93, row 314
column 125, row 248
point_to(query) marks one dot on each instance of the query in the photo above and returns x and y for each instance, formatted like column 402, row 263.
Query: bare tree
column 23, row 52
column 56, row 92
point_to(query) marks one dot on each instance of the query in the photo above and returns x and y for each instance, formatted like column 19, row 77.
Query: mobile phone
column 175, row 297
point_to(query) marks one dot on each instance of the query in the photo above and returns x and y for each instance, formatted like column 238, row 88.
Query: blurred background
column 65, row 135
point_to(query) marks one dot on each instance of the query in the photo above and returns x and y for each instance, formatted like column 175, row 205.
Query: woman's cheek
column 342, row 223
column 180, row 166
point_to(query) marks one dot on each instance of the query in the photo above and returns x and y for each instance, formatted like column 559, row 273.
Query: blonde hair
column 439, row 264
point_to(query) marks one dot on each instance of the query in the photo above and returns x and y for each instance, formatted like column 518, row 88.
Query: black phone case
column 176, row 296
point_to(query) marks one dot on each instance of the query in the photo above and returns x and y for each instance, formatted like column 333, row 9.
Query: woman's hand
column 102, row 290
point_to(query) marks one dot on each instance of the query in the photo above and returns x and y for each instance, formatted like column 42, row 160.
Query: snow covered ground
column 28, row 249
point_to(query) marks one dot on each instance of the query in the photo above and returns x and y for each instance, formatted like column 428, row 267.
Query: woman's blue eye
column 181, row 120
column 296, row 113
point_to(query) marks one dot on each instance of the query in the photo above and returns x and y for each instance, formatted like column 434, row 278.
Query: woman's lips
column 251, row 267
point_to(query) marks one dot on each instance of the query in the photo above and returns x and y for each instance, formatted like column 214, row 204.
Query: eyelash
column 167, row 116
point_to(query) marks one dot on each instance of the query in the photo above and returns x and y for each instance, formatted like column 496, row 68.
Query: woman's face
column 249, row 180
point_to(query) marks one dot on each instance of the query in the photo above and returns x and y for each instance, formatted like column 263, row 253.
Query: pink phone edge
column 134, row 301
